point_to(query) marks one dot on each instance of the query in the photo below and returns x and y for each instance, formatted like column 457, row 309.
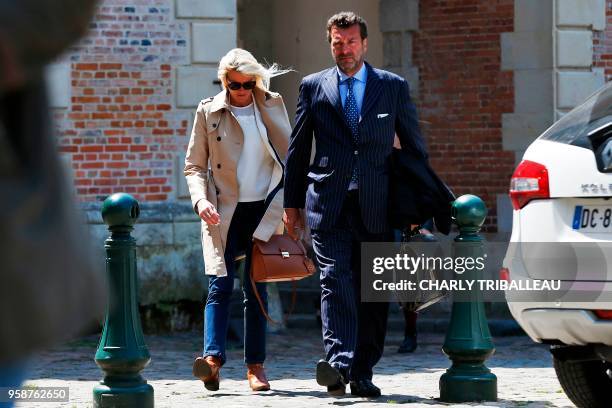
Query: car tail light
column 603, row 314
column 504, row 274
column 529, row 181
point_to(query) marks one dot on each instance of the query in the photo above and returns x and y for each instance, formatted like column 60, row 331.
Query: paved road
column 524, row 371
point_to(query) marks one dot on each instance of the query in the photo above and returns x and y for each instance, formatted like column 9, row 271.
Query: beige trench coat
column 211, row 167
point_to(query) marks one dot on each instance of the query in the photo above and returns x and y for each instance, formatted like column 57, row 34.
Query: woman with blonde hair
column 234, row 170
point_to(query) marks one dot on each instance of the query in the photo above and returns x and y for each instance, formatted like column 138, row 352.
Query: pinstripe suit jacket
column 322, row 186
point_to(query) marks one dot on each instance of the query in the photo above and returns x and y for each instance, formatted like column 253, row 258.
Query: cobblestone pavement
column 524, row 371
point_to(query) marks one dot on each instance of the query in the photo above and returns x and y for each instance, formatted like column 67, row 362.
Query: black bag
column 422, row 299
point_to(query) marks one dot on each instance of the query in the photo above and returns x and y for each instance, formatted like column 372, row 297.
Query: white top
column 255, row 164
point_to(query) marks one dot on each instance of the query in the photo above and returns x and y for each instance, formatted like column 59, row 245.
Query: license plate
column 590, row 218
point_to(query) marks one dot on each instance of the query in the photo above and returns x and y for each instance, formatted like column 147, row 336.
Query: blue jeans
column 216, row 313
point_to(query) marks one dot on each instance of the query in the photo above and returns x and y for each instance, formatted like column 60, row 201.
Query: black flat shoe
column 329, row 376
column 364, row 388
column 408, row 345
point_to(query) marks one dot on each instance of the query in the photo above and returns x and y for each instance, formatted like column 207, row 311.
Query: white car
column 561, row 193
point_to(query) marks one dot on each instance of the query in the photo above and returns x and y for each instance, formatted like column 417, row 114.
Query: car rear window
column 593, row 115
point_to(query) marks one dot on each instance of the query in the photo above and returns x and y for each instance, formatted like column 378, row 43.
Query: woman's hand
column 208, row 212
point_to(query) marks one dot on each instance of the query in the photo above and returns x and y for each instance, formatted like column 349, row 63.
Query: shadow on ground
column 292, row 354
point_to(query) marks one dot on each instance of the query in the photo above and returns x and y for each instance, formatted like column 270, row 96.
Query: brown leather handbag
column 281, row 259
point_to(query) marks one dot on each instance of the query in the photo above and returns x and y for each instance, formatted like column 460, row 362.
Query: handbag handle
column 262, row 307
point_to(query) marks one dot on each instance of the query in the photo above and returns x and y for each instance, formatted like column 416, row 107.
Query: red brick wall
column 463, row 93
column 602, row 45
column 121, row 131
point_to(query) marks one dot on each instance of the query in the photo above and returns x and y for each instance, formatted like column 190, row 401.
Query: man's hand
column 292, row 218
column 208, row 212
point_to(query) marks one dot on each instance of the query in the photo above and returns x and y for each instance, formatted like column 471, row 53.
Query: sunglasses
column 234, row 86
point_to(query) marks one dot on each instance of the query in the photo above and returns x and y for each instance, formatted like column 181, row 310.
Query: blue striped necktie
column 352, row 118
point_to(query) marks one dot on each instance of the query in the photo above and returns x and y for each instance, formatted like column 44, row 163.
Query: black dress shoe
column 330, row 377
column 364, row 388
column 408, row 345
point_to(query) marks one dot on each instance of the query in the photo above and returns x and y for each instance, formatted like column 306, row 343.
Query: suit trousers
column 353, row 332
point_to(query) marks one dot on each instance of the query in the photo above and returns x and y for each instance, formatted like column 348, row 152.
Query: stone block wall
column 124, row 97
column 169, row 253
column 602, row 45
column 463, row 93
column 123, row 100
column 116, row 119
column 489, row 77
column 576, row 75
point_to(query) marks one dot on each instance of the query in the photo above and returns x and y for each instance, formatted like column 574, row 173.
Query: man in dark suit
column 353, row 111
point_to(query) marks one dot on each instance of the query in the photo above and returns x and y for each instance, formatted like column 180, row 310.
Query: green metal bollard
column 468, row 341
column 122, row 352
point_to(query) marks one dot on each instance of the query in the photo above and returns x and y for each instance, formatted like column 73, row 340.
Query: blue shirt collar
column 360, row 75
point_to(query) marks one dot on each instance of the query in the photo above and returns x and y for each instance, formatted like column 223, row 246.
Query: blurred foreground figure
column 49, row 286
